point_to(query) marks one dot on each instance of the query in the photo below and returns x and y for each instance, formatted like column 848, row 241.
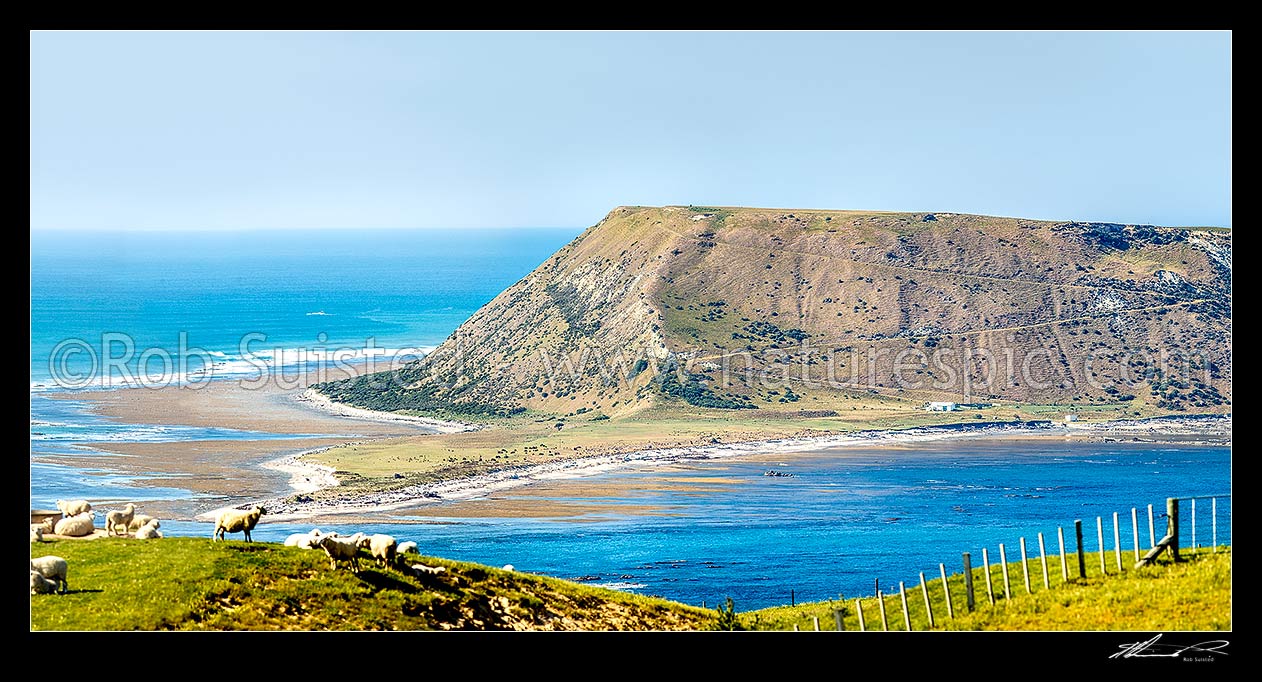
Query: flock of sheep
column 48, row 573
column 79, row 520
column 385, row 549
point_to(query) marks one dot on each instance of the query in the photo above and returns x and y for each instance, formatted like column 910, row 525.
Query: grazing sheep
column 341, row 549
column 408, row 547
column 37, row 533
column 52, row 567
column 307, row 540
column 421, row 570
column 383, row 548
column 77, row 525
column 115, row 518
column 46, row 525
column 73, row 507
column 236, row 521
column 149, row 531
column 509, row 568
column 41, row 585
column 137, row 521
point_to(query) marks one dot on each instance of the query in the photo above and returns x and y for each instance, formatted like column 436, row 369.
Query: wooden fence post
column 1064, row 561
column 1117, row 542
column 946, row 589
column 1099, row 531
column 1003, row 564
column 796, row 628
column 1193, row 524
column 1172, row 526
column 858, row 609
column 839, row 617
column 1152, row 537
column 902, row 591
column 815, row 619
column 1135, row 530
column 1047, row 584
column 1082, row 555
column 990, row 590
column 924, row 590
column 1025, row 568
column 880, row 599
column 792, row 599
column 1214, row 513
column 969, row 602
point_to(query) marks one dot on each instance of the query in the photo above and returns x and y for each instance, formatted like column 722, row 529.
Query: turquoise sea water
column 844, row 518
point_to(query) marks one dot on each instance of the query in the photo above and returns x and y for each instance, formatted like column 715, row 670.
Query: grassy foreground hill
column 1190, row 595
column 193, row 584
column 729, row 309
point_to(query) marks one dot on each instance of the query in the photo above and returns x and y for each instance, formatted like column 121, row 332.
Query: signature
column 1153, row 649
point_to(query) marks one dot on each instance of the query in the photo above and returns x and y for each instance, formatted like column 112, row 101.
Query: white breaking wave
column 622, row 586
column 287, row 362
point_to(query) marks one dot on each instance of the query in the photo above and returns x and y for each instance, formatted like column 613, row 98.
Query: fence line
column 1170, row 543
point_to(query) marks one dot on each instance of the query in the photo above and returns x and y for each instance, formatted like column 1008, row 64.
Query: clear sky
column 400, row 129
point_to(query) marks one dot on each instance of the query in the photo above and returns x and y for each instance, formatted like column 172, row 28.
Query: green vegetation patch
column 692, row 390
column 388, row 392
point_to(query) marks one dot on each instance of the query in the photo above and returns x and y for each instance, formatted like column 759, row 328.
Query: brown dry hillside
column 737, row 308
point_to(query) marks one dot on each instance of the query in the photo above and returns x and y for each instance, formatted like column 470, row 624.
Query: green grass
column 1190, row 595
column 193, row 584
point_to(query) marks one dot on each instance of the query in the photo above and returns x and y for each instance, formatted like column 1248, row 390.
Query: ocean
column 844, row 519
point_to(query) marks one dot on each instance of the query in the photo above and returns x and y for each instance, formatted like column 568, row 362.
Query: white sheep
column 422, row 569
column 149, row 531
column 116, row 518
column 408, row 547
column 302, row 540
column 236, row 521
column 46, row 525
column 509, row 568
column 53, row 568
column 137, row 521
column 382, row 547
column 307, row 540
column 37, row 533
column 78, row 525
column 41, row 585
column 341, row 549
column 73, row 507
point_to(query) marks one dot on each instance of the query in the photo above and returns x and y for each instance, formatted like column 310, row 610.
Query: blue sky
column 400, row 129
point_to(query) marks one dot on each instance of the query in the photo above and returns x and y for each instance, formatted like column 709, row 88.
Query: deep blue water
column 302, row 289
column 845, row 517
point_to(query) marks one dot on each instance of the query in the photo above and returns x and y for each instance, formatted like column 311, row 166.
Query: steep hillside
column 735, row 308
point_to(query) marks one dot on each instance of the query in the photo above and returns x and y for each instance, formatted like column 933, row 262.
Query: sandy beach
column 222, row 473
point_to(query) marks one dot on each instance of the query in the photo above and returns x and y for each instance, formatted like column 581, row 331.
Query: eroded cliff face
column 738, row 308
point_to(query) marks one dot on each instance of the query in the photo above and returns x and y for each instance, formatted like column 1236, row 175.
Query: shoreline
column 480, row 485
